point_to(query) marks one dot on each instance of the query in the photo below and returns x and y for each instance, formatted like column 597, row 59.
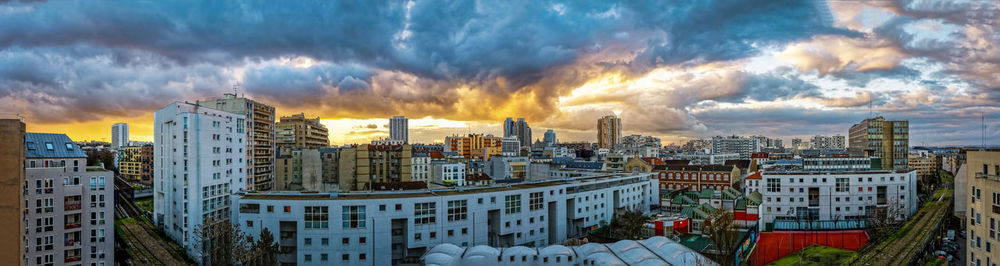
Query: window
column 512, row 204
column 317, row 217
column 842, row 184
column 345, row 241
column 457, row 210
column 773, row 185
column 535, row 201
column 354, row 216
column 423, row 213
column 361, row 240
column 324, row 241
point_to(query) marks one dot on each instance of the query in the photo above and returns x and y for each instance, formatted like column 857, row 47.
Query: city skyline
column 806, row 68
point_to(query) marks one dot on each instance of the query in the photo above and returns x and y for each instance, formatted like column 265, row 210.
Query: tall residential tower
column 297, row 131
column 399, row 129
column 877, row 137
column 259, row 137
column 609, row 132
column 199, row 158
column 119, row 135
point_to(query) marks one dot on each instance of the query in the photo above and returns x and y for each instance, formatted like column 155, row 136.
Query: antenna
column 236, row 88
column 983, row 129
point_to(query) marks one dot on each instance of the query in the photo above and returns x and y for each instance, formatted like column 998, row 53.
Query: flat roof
column 295, row 195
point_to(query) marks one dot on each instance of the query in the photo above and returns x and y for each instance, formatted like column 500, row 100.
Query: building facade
column 510, row 146
column 421, row 167
column 450, row 174
column 877, row 137
column 66, row 201
column 297, row 131
column 706, row 159
column 829, row 196
column 12, row 162
column 696, row 177
column 827, row 142
column 609, row 132
column 396, row 227
column 983, row 203
column 119, row 135
column 503, row 167
column 520, row 129
column 259, row 119
column 838, row 164
column 365, row 164
column 926, row 165
column 130, row 163
column 200, row 161
column 550, row 138
column 474, row 146
column 735, row 144
column 399, row 129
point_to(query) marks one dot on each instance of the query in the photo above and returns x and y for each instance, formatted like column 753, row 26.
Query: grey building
column 399, row 129
column 66, row 202
column 119, row 135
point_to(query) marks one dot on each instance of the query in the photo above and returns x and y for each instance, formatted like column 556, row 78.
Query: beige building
column 130, row 163
column 877, row 137
column 609, row 132
column 12, row 191
column 297, row 131
column 983, row 176
column 364, row 164
column 259, row 137
column 926, row 165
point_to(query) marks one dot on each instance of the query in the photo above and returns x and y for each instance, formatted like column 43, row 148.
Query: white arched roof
column 519, row 251
column 605, row 259
column 448, row 249
column 591, row 248
column 482, row 251
column 438, row 259
column 556, row 250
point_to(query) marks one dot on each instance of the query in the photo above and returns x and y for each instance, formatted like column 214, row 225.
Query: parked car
column 951, row 234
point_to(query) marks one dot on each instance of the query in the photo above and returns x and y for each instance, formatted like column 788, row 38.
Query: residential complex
column 259, row 124
column 519, row 129
column 365, row 164
column 200, row 162
column 696, row 177
column 474, row 145
column 65, row 200
column 392, row 227
column 510, row 146
column 829, row 196
column 827, row 142
column 735, row 144
column 135, row 164
column 609, row 132
column 550, row 138
column 119, row 135
column 297, row 131
column 877, row 137
column 926, row 165
column 399, row 129
column 12, row 220
column 983, row 202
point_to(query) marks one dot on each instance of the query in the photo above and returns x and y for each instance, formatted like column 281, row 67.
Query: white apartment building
column 421, row 164
column 705, row 159
column 837, row 164
column 66, row 202
column 119, row 135
column 812, row 196
column 387, row 228
column 448, row 173
column 200, row 159
column 735, row 144
column 510, row 146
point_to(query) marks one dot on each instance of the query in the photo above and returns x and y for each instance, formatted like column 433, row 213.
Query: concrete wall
column 11, row 191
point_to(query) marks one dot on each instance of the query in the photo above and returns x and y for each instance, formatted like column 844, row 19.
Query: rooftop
column 51, row 145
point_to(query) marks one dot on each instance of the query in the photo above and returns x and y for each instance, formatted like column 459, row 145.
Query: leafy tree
column 721, row 228
column 222, row 242
column 629, row 225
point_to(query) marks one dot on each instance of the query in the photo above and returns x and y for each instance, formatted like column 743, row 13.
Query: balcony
column 72, row 259
column 72, row 206
column 71, row 242
column 988, row 176
column 73, row 225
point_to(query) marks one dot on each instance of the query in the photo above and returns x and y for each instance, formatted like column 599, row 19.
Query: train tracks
column 914, row 235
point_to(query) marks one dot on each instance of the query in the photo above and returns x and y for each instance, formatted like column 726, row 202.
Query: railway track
column 901, row 250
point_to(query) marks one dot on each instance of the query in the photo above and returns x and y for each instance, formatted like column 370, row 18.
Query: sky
column 678, row 70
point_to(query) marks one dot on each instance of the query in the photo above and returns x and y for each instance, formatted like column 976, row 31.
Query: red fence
column 776, row 245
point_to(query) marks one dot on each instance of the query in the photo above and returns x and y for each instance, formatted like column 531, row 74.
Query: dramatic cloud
column 678, row 70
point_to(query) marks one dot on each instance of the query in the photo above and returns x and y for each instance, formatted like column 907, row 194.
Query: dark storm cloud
column 725, row 30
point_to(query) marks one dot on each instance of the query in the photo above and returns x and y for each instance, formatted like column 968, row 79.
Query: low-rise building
column 706, row 159
column 391, row 227
column 449, row 174
column 505, row 168
column 927, row 164
column 836, row 196
column 839, row 164
column 696, row 177
column 421, row 167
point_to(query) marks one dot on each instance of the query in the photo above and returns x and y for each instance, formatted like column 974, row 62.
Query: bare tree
column 222, row 242
column 722, row 230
